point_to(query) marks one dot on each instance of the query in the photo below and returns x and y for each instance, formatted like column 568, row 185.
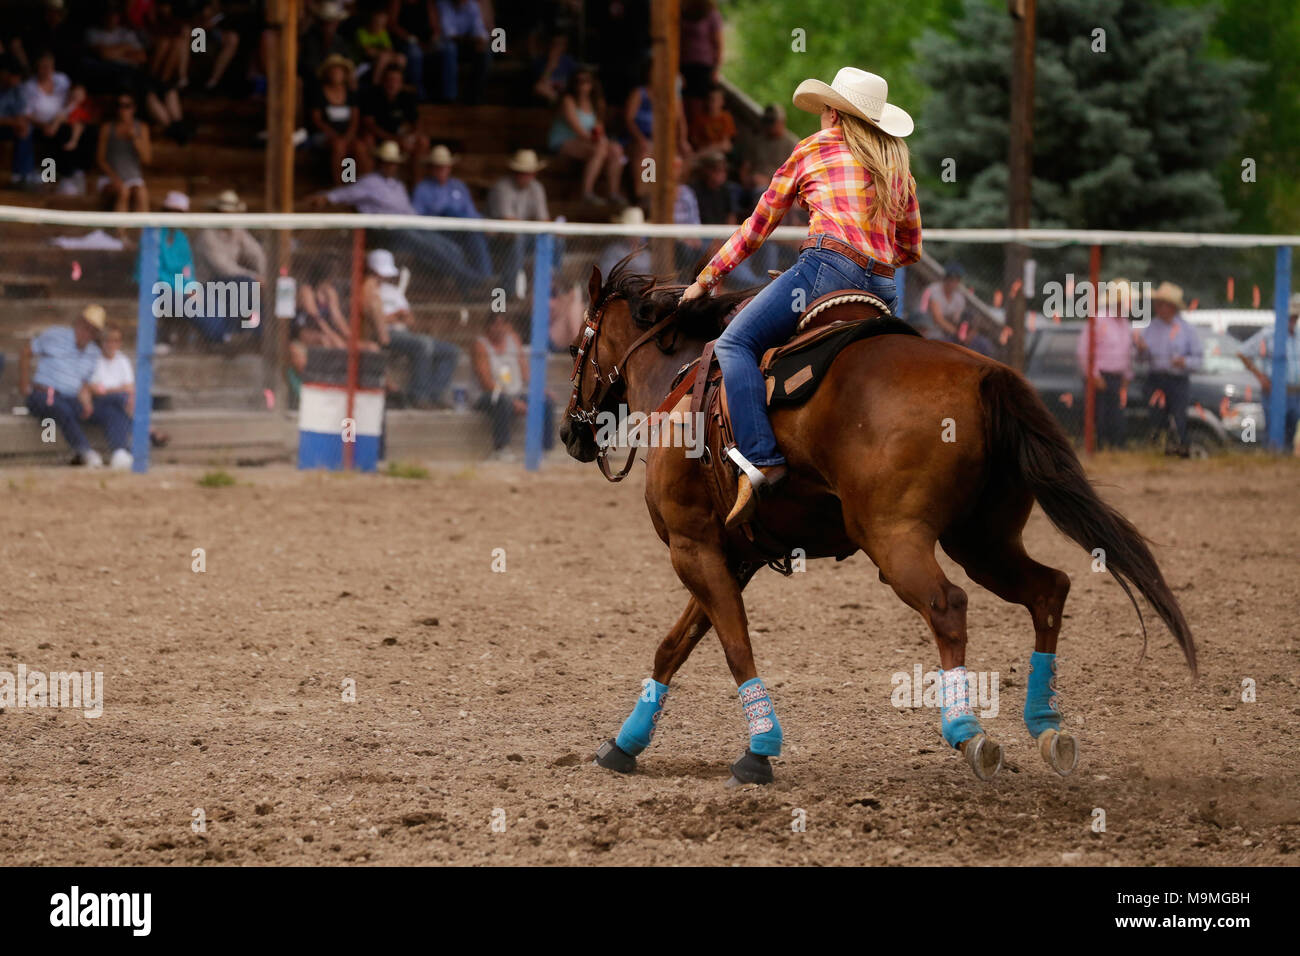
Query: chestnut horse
column 905, row 444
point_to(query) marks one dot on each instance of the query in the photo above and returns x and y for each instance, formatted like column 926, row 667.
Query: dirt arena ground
column 480, row 696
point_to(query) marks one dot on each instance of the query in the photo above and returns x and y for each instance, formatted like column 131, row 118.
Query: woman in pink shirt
column 1113, row 369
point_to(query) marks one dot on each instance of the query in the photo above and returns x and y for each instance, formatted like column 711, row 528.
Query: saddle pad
column 794, row 375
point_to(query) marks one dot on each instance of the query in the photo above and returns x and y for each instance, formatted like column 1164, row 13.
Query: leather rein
column 605, row 384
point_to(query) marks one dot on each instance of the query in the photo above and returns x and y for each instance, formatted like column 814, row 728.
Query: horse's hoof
column 613, row 757
column 1061, row 751
column 750, row 768
column 984, row 756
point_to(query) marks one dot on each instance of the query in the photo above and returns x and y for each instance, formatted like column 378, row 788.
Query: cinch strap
column 1042, row 707
column 957, row 721
column 764, row 728
column 639, row 728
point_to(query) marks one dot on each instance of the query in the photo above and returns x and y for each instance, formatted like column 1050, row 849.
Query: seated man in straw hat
column 228, row 255
column 442, row 194
column 1174, row 351
column 382, row 193
column 520, row 196
column 57, row 390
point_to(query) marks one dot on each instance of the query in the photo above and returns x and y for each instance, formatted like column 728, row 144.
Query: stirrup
column 757, row 480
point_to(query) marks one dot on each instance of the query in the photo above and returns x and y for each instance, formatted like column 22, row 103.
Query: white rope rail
column 30, row 215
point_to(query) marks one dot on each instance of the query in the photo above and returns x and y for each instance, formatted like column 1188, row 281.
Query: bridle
column 586, row 413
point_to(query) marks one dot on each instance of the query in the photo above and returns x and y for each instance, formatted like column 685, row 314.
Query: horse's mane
column 651, row 298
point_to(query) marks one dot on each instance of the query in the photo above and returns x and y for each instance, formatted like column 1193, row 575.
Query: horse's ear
column 593, row 287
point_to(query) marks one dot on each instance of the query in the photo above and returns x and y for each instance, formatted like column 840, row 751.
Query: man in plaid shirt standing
column 853, row 178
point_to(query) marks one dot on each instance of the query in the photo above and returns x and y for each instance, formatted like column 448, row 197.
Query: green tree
column 763, row 61
column 1132, row 137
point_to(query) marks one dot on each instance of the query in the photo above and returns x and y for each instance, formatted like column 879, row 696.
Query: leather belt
column 844, row 249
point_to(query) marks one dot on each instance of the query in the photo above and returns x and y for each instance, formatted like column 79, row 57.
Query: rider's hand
column 693, row 291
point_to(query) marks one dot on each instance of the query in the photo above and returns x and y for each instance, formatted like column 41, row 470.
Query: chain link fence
column 238, row 308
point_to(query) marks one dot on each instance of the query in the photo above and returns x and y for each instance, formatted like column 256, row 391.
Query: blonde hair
column 887, row 162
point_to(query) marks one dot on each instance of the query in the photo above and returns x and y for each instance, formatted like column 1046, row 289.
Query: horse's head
column 607, row 332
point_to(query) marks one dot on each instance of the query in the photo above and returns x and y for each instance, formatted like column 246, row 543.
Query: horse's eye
column 573, row 351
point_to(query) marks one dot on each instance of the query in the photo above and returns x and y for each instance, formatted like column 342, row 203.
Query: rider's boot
column 755, row 482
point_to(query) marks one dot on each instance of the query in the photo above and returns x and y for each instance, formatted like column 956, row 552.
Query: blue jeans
column 24, row 151
column 770, row 319
column 433, row 363
column 110, row 412
column 44, row 403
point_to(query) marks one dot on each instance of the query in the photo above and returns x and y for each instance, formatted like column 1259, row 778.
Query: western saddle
column 792, row 371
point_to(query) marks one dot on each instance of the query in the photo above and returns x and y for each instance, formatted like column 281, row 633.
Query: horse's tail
column 1026, row 444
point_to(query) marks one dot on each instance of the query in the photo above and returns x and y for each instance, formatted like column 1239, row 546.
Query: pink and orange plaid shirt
column 824, row 177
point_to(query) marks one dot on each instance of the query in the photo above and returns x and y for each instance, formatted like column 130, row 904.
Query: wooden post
column 281, row 108
column 354, row 343
column 1020, row 168
column 665, row 21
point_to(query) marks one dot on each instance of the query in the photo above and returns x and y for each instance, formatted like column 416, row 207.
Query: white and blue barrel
column 323, row 425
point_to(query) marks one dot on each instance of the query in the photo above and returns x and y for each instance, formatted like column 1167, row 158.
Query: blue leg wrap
column 1042, row 709
column 764, row 728
column 635, row 734
column 957, row 721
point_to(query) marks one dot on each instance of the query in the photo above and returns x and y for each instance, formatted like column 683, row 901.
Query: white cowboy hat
column 176, row 201
column 525, row 161
column 440, row 156
column 1295, row 304
column 229, row 201
column 1168, row 292
column 631, row 216
column 859, row 94
column 381, row 263
column 390, row 152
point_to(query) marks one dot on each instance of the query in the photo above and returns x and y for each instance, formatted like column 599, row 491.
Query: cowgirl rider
column 854, row 179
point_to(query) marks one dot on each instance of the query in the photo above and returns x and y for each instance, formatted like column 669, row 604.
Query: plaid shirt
column 824, row 177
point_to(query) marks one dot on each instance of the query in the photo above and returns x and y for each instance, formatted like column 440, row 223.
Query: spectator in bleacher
column 1174, row 351
column 376, row 44
column 57, row 389
column 719, row 199
column 112, row 396
column 176, row 258
column 390, row 113
column 462, row 35
column 123, row 152
column 116, row 57
column 318, row 321
column 228, row 255
column 701, row 51
column 222, row 40
column 52, row 31
column 50, row 97
column 381, row 192
column 638, row 116
column 334, row 116
column 165, row 38
column 1113, row 368
column 762, row 155
column 412, row 25
column 442, row 194
column 579, row 132
column 944, row 303
column 1260, row 347
column 519, row 196
column 623, row 44
column 323, row 38
column 15, row 125
column 619, row 247
column 502, row 372
column 713, row 127
column 388, row 313
column 554, row 70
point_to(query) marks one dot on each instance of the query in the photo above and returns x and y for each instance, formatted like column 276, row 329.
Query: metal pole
column 145, row 333
column 539, row 336
column 1277, row 396
column 354, row 344
column 1089, row 388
